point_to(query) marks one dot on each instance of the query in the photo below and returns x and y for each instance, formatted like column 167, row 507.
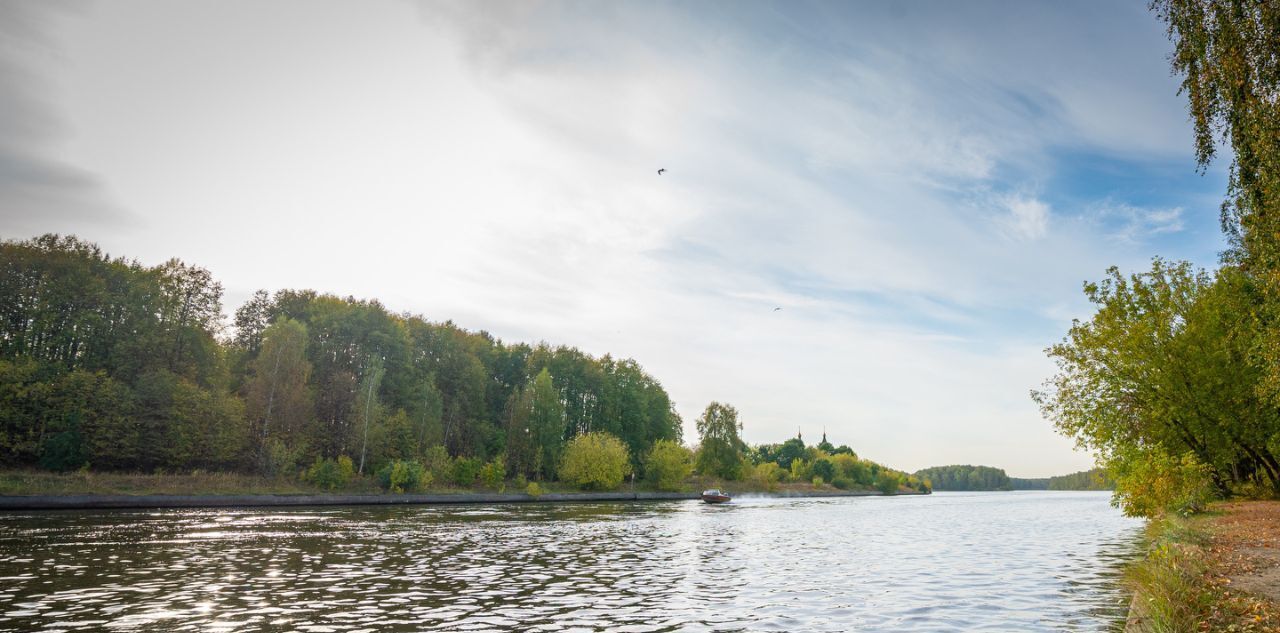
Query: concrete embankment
column 90, row 502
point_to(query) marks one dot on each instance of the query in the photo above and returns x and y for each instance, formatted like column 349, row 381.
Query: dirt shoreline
column 1238, row 548
column 94, row 502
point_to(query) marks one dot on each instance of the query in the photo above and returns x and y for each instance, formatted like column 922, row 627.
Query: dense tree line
column 983, row 478
column 1174, row 383
column 1092, row 479
column 965, row 477
column 1023, row 483
column 109, row 363
column 822, row 463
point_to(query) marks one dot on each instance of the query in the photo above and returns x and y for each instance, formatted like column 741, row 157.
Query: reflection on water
column 1021, row 561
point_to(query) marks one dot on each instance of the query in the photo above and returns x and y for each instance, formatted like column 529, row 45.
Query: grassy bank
column 1219, row 571
column 197, row 483
column 30, row 482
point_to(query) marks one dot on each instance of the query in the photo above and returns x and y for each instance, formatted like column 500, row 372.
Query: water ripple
column 1031, row 561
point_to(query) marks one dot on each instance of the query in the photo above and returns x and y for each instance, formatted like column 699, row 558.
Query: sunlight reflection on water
column 1024, row 561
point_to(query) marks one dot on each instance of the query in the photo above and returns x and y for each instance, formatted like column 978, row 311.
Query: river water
column 1012, row 561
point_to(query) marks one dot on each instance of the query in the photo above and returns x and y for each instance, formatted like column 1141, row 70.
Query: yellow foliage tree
column 595, row 461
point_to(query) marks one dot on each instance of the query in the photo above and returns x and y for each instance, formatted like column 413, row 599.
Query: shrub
column 817, row 482
column 436, row 460
column 63, row 452
column 330, row 474
column 668, row 465
column 281, row 459
column 800, row 470
column 533, row 490
column 519, row 481
column 493, row 475
column 844, row 464
column 766, row 475
column 843, row 483
column 465, row 470
column 595, row 461
column 887, row 482
column 824, row 469
column 403, row 476
column 1154, row 482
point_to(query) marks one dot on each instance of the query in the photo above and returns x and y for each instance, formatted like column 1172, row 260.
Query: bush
column 823, row 468
column 281, row 459
column 63, row 452
column 595, row 461
column 436, row 460
column 493, row 475
column 817, row 482
column 403, row 476
column 800, row 470
column 843, row 483
column 765, row 476
column 465, row 470
column 533, row 490
column 887, row 482
column 330, row 474
column 668, row 465
column 1155, row 482
column 519, row 481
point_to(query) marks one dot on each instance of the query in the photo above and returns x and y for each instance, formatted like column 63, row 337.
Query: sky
column 873, row 218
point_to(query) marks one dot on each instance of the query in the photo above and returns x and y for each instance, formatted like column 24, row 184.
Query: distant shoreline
column 107, row 502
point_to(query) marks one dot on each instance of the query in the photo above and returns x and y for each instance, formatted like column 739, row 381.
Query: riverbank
column 1216, row 572
column 21, row 490
column 89, row 502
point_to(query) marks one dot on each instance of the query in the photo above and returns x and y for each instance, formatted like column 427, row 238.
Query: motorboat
column 714, row 496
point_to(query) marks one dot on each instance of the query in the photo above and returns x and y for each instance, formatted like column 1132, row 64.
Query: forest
column 106, row 362
column 110, row 365
column 1174, row 382
column 966, row 477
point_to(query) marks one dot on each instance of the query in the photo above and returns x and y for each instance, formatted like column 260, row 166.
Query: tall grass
column 1169, row 584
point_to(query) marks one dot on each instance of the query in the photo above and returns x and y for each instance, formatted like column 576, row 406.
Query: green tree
column 369, row 397
column 668, row 464
column 494, row 474
column 1228, row 54
column 790, row 450
column 721, row 450
column 1162, row 370
column 277, row 398
column 546, row 423
column 966, row 477
column 823, row 468
column 595, row 461
column 887, row 482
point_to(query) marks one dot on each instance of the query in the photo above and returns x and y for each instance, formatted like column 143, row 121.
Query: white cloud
column 1025, row 217
column 495, row 164
column 1129, row 223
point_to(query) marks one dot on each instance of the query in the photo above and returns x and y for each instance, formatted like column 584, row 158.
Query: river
column 1012, row 561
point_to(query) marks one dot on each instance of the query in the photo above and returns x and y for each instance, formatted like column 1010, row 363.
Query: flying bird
column 776, row 309
column 661, row 170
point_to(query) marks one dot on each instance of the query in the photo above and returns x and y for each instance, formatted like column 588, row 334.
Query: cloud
column 37, row 189
column 494, row 163
column 1026, row 217
column 1132, row 224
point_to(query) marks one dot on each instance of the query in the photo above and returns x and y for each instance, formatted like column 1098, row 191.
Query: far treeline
column 983, row 478
column 112, row 365
column 1174, row 383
